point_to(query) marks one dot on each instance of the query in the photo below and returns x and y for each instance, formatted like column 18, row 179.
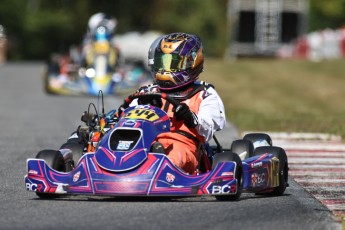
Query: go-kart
column 114, row 157
column 100, row 69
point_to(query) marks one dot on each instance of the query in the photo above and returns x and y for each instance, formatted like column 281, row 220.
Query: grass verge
column 281, row 95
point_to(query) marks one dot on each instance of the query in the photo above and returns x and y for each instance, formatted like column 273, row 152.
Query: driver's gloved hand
column 155, row 101
column 120, row 110
column 182, row 112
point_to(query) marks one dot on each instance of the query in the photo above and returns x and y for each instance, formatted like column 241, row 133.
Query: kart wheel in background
column 283, row 168
column 55, row 160
column 46, row 86
column 225, row 157
column 258, row 139
column 244, row 148
column 77, row 152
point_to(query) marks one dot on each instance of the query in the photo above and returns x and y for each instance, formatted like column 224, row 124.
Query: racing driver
column 176, row 60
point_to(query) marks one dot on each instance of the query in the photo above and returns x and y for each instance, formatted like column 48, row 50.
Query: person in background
column 101, row 27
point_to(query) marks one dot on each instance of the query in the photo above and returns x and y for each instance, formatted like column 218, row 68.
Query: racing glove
column 182, row 112
column 120, row 110
column 149, row 100
column 155, row 101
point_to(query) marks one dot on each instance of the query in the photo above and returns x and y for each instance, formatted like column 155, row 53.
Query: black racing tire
column 46, row 85
column 77, row 153
column 253, row 137
column 230, row 156
column 283, row 168
column 54, row 160
column 240, row 146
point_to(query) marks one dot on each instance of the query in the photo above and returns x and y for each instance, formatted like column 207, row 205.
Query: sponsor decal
column 217, row 189
column 227, row 174
column 76, row 176
column 130, row 123
column 258, row 179
column 124, row 145
column 31, row 171
column 170, row 177
column 31, row 186
column 256, row 164
column 34, row 187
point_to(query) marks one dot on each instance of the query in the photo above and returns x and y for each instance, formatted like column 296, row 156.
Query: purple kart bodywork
column 156, row 176
column 123, row 166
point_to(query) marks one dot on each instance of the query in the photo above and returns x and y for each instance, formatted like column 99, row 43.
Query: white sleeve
column 211, row 115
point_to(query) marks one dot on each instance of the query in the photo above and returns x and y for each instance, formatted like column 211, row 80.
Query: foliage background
column 37, row 28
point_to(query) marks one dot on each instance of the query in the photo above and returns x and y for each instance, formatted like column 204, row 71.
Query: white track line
column 317, row 161
column 313, row 166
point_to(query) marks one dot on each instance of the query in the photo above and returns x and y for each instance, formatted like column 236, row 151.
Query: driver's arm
column 211, row 115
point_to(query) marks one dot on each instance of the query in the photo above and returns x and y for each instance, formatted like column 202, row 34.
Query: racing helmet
column 178, row 59
column 101, row 19
column 152, row 50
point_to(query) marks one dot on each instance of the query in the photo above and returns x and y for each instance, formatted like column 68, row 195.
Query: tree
column 326, row 14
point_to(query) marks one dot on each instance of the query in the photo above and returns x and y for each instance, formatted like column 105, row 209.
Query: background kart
column 115, row 158
column 99, row 67
column 87, row 81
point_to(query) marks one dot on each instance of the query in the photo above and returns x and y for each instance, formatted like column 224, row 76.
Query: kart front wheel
column 54, row 160
column 226, row 156
column 77, row 152
column 283, row 168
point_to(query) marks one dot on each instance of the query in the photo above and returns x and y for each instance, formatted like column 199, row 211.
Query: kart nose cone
column 119, row 161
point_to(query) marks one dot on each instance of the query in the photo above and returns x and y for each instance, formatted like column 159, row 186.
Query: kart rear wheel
column 242, row 147
column 54, row 160
column 225, row 157
column 258, row 137
column 283, row 168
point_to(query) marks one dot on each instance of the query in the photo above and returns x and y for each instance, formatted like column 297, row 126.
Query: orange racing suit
column 181, row 143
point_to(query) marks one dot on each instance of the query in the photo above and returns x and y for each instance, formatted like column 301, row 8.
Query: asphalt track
column 31, row 121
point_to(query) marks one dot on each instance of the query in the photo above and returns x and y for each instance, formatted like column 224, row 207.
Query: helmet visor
column 169, row 62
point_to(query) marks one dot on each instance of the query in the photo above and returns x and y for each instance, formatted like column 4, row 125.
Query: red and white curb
column 317, row 163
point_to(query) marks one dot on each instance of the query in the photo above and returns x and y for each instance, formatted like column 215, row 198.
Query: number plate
column 143, row 114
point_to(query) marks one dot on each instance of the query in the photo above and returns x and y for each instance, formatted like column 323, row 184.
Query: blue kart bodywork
column 123, row 165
